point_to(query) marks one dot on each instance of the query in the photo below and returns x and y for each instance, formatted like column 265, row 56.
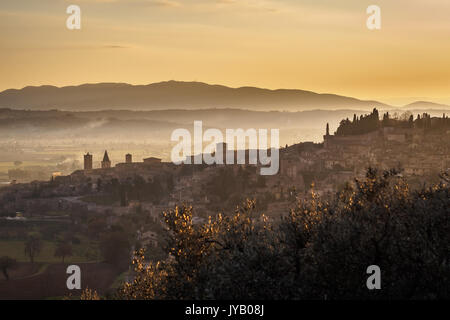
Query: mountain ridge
column 183, row 95
column 174, row 94
column 426, row 105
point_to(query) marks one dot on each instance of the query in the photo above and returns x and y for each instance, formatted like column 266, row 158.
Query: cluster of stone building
column 329, row 164
column 418, row 154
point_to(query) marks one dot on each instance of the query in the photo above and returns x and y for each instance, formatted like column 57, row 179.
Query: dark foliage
column 320, row 250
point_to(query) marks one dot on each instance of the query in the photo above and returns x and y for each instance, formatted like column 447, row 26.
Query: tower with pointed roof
column 106, row 163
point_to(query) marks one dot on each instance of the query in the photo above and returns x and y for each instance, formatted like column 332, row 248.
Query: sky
column 318, row 45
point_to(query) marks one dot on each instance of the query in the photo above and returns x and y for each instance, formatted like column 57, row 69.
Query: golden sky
column 317, row 45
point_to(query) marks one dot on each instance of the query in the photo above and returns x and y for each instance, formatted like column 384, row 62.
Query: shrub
column 320, row 250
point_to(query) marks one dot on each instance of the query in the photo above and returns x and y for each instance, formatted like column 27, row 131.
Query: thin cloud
column 71, row 47
column 252, row 4
column 163, row 3
column 157, row 3
column 112, row 46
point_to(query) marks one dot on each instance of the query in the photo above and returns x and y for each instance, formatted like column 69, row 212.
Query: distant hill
column 426, row 105
column 174, row 95
column 156, row 127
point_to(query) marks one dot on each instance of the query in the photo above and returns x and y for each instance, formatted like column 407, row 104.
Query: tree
column 230, row 257
column 320, row 250
column 7, row 263
column 63, row 250
column 380, row 222
column 89, row 294
column 33, row 245
column 96, row 226
column 115, row 248
column 411, row 121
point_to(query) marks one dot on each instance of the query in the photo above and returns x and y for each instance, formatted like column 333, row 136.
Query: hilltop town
column 105, row 211
column 419, row 147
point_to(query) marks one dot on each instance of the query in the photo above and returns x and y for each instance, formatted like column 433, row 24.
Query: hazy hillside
column 157, row 125
column 426, row 105
column 172, row 95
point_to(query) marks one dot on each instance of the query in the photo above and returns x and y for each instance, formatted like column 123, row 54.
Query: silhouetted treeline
column 371, row 122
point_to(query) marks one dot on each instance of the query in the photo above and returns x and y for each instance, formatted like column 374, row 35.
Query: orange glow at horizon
column 320, row 46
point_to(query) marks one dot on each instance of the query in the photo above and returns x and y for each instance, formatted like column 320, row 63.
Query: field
column 83, row 252
column 46, row 278
column 50, row 282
